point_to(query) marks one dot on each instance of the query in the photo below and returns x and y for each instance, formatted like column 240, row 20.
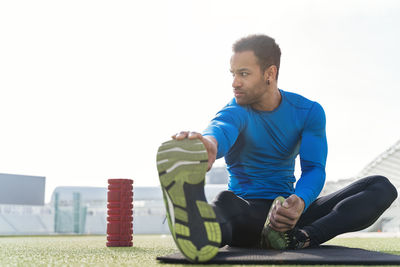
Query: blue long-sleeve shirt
column 260, row 148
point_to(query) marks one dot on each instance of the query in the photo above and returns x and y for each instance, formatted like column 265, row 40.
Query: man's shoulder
column 311, row 111
column 232, row 105
column 233, row 112
column 297, row 100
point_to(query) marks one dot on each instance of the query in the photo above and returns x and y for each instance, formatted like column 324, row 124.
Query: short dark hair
column 264, row 47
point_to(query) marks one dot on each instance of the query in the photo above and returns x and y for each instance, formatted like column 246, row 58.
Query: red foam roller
column 120, row 213
column 113, row 228
column 126, row 193
column 119, row 244
column 120, row 181
column 125, row 212
column 117, row 196
column 119, row 205
column 120, row 187
column 126, row 199
column 113, row 196
column 117, row 228
column 119, row 218
column 115, row 187
column 119, row 238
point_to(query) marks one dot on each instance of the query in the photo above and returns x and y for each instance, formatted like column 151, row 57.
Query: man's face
column 249, row 84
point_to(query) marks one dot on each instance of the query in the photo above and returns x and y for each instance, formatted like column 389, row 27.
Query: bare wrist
column 211, row 139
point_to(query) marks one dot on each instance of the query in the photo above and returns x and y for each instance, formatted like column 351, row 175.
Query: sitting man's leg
column 241, row 220
column 353, row 208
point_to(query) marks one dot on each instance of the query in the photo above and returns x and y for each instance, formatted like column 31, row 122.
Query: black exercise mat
column 335, row 255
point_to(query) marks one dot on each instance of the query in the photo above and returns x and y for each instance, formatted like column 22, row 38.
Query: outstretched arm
column 221, row 133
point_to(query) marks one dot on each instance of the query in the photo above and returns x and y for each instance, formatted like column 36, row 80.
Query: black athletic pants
column 353, row 208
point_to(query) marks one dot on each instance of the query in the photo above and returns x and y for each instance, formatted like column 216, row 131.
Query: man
column 260, row 133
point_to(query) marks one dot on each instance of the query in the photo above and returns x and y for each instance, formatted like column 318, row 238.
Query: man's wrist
column 303, row 203
column 212, row 139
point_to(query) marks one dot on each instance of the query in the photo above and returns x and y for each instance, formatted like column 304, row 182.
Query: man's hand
column 284, row 217
column 209, row 142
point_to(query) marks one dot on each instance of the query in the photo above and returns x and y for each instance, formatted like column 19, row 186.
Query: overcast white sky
column 89, row 89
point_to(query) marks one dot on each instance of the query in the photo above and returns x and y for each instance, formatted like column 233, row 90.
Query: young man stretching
column 260, row 133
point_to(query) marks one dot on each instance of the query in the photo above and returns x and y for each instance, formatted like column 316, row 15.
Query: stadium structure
column 388, row 165
column 82, row 210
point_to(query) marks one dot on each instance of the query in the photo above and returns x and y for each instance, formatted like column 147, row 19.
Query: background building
column 22, row 209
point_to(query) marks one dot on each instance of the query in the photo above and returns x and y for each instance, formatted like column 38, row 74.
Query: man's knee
column 225, row 196
column 227, row 199
column 230, row 204
column 383, row 186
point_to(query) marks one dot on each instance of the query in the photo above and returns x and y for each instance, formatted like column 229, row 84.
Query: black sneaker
column 182, row 166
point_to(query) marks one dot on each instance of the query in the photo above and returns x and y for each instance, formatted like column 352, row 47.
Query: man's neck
column 270, row 100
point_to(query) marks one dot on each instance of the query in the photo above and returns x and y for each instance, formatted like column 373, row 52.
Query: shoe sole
column 182, row 166
column 271, row 238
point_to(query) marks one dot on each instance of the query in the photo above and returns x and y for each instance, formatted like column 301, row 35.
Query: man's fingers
column 282, row 219
column 195, row 135
column 181, row 135
column 186, row 134
column 289, row 202
column 280, row 227
column 286, row 213
column 208, row 142
column 277, row 220
column 280, row 222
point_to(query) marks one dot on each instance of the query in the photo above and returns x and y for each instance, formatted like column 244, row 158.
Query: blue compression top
column 260, row 148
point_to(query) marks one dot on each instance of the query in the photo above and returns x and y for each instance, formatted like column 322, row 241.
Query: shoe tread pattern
column 182, row 166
